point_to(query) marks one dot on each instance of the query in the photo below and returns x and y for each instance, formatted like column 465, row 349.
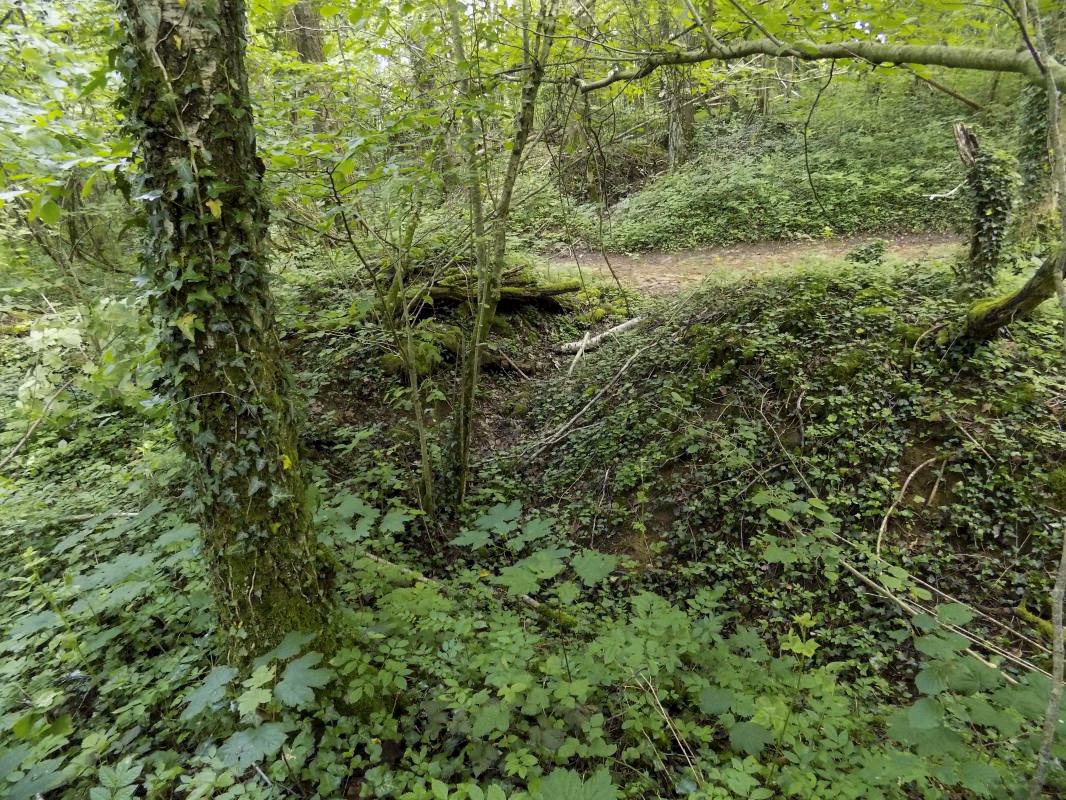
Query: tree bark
column 205, row 263
column 988, row 179
column 304, row 31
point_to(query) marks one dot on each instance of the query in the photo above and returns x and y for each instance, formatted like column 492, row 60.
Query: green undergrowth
column 741, row 407
column 747, row 179
column 656, row 607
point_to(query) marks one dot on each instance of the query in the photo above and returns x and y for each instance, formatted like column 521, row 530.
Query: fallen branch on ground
column 594, row 342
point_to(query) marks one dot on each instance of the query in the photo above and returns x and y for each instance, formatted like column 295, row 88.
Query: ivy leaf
column 244, row 748
column 185, row 324
column 210, row 692
column 941, row 644
column 492, row 717
column 292, row 644
column 263, row 674
column 394, row 521
column 500, row 517
column 715, row 700
column 546, row 563
column 592, row 567
column 954, row 614
column 351, row 505
column 780, row 514
column 299, row 680
column 567, row 593
column 565, row 784
column 215, row 208
column 776, row 554
column 532, row 530
column 924, row 715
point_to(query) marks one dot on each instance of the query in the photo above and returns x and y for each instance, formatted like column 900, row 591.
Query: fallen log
column 587, row 344
column 986, row 317
column 509, row 295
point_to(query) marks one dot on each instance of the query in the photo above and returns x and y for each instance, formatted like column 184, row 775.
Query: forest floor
column 660, row 272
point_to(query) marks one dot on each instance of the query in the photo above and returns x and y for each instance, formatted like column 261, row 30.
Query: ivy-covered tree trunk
column 205, row 264
column 988, row 176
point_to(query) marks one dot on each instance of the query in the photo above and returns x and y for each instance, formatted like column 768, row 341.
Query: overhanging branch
column 977, row 58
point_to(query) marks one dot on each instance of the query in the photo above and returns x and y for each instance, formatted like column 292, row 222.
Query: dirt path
column 661, row 272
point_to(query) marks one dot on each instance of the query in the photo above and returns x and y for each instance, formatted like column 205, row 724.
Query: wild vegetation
column 330, row 467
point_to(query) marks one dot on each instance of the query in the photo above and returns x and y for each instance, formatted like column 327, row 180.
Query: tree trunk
column 988, row 178
column 304, row 32
column 230, row 391
column 490, row 264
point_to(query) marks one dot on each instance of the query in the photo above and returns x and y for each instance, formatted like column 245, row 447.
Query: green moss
column 594, row 315
column 519, row 405
column 501, row 325
column 881, row 293
column 874, row 311
column 1057, row 483
column 847, row 365
column 909, row 333
column 983, row 307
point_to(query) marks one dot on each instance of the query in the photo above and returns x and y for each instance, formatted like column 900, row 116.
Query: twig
column 1058, row 662
column 899, row 499
column 755, row 22
column 686, row 751
column 558, row 435
column 934, row 329
column 806, row 150
column 936, row 484
column 970, row 437
column 580, row 352
column 510, row 361
column 29, row 432
column 913, row 610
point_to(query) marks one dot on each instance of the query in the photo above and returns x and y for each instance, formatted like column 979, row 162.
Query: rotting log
column 512, row 295
column 987, row 316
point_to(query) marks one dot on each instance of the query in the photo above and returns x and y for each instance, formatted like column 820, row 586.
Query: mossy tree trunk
column 988, row 316
column 187, row 103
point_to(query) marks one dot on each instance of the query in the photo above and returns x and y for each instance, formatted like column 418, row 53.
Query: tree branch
column 976, row 58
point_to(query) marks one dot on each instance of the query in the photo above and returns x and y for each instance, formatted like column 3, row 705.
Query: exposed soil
column 662, row 273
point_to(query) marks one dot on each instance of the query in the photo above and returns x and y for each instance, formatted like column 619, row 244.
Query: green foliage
column 873, row 252
column 682, row 623
column 748, row 179
column 991, row 181
column 826, row 385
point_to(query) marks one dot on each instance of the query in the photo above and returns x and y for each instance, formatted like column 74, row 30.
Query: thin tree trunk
column 229, row 390
column 304, row 31
column 1058, row 663
column 468, row 385
column 490, row 266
